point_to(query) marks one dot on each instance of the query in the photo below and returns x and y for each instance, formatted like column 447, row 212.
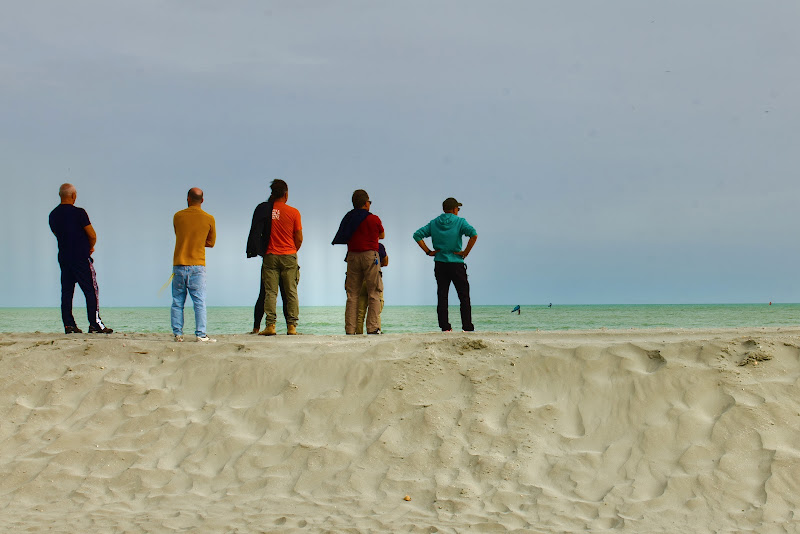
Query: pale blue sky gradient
column 616, row 152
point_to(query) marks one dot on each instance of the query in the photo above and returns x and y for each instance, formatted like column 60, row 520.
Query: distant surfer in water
column 516, row 309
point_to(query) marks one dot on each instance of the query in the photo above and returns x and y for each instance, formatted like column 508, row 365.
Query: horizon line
column 548, row 305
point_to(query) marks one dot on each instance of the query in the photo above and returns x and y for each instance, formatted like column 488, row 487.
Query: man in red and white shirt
column 364, row 267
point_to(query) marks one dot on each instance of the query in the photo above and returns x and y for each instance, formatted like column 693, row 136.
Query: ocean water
column 325, row 320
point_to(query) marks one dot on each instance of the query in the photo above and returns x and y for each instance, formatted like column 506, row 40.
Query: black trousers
column 258, row 309
column 83, row 274
column 457, row 274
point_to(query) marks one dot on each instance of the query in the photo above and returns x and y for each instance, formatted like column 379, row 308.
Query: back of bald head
column 66, row 190
column 195, row 196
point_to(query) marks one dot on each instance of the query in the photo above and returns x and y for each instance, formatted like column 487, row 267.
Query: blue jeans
column 191, row 279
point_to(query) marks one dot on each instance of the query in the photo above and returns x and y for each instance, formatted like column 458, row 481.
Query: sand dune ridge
column 640, row 431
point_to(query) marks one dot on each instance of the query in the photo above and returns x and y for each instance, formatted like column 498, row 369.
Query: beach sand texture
column 630, row 431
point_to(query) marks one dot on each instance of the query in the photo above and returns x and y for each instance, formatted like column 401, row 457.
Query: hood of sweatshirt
column 446, row 221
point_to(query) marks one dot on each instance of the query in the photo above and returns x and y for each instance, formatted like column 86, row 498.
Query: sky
column 623, row 152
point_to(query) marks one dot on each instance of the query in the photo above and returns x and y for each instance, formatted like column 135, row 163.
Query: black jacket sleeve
column 260, row 228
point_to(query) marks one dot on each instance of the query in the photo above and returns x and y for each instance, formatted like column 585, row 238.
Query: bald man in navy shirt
column 76, row 239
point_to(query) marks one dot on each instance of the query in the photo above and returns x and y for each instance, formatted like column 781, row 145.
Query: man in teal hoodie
column 446, row 233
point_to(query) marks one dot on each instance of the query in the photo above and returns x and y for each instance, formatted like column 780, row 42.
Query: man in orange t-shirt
column 280, row 261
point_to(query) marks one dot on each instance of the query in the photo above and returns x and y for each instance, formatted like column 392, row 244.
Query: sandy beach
column 625, row 431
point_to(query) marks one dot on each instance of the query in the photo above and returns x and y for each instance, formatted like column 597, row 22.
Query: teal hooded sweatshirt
column 446, row 233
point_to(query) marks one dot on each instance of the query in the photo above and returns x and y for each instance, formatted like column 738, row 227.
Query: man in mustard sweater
column 194, row 231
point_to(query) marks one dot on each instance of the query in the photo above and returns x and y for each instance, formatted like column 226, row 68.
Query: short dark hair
column 360, row 198
column 194, row 197
column 278, row 188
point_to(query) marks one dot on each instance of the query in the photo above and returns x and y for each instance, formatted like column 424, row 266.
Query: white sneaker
column 205, row 339
column 178, row 338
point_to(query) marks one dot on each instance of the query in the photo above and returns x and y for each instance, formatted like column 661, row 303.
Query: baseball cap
column 451, row 203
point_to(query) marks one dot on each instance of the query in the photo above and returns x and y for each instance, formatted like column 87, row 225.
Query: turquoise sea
column 401, row 319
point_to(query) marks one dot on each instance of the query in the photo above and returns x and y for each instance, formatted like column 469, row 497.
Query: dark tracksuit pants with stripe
column 81, row 273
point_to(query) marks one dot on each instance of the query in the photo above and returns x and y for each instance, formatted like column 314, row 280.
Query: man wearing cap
column 446, row 233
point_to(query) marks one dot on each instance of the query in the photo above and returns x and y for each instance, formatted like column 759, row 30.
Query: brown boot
column 268, row 331
column 291, row 330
